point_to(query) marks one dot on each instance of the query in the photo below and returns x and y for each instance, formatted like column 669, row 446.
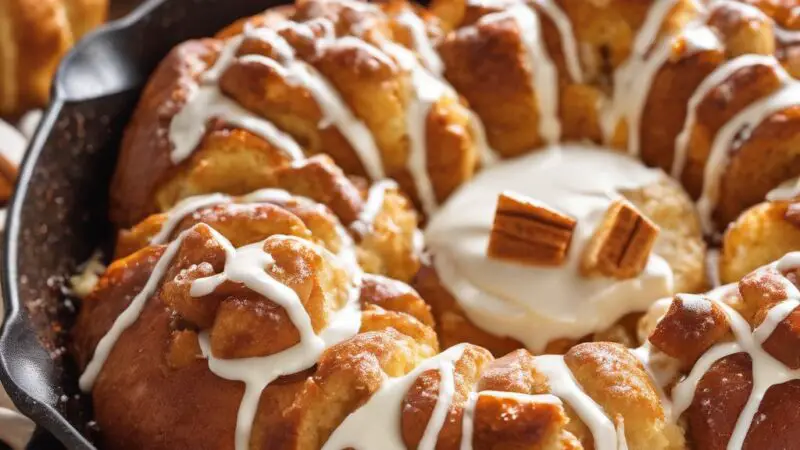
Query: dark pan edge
column 31, row 367
column 101, row 33
column 16, row 321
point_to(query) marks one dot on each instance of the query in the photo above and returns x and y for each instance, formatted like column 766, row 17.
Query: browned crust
column 690, row 327
column 665, row 109
column 144, row 158
column 769, row 156
column 760, row 235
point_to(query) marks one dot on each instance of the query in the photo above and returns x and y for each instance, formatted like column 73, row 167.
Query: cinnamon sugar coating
column 694, row 325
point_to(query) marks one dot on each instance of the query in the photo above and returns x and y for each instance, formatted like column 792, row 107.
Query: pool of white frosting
column 538, row 304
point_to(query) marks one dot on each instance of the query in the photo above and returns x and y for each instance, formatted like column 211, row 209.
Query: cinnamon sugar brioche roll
column 736, row 349
column 243, row 301
column 556, row 247
column 321, row 77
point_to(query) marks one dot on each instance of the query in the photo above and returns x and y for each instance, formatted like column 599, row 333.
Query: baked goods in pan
column 266, row 262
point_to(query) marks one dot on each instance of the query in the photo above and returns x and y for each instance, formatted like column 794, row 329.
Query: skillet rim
column 17, row 324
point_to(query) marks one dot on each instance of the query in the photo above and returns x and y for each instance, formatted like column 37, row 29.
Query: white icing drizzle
column 622, row 442
column 206, row 101
column 182, row 209
column 731, row 135
column 788, row 262
column 767, row 371
column 271, row 37
column 544, row 75
column 128, row 317
column 488, row 156
column 717, row 77
column 743, row 8
column 354, row 42
column 427, row 91
column 468, row 421
column 629, row 83
column 363, row 225
column 653, row 22
column 418, row 244
column 638, row 77
column 775, row 316
column 248, row 265
column 421, row 42
column 335, row 110
column 447, row 388
column 190, row 205
column 568, row 43
column 788, row 190
column 782, row 35
column 376, row 424
column 563, row 385
column 531, row 304
column 713, row 256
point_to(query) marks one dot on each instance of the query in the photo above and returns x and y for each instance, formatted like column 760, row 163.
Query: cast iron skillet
column 58, row 215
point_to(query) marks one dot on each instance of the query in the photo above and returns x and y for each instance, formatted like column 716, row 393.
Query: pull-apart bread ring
column 434, row 97
column 570, row 159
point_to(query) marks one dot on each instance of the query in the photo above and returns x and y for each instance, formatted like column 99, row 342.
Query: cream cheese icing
column 532, row 304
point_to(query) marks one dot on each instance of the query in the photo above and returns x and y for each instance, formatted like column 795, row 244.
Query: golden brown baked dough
column 762, row 234
column 695, row 327
column 258, row 105
column 388, row 249
column 485, row 63
column 371, row 84
column 34, row 35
